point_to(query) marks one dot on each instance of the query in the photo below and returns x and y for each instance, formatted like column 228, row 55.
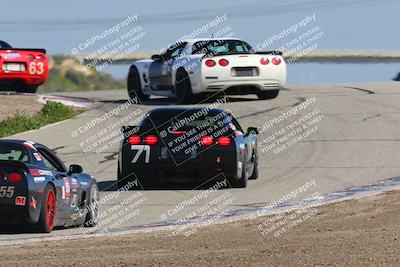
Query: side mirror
column 157, row 58
column 252, row 130
column 75, row 169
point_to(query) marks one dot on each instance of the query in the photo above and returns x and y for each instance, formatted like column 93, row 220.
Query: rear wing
column 272, row 52
column 16, row 164
column 25, row 49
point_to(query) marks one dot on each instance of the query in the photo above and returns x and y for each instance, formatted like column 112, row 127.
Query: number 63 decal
column 140, row 149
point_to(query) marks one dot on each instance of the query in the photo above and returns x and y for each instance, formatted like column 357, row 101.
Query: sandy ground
column 363, row 232
column 11, row 105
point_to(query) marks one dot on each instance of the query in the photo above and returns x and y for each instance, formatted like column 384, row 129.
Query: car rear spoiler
column 272, row 52
column 11, row 163
column 26, row 49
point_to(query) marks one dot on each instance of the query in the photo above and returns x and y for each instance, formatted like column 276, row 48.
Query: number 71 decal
column 140, row 149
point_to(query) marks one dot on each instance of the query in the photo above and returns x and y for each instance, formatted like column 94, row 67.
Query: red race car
column 22, row 69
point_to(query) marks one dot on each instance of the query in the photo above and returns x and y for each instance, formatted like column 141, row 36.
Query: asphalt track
column 356, row 143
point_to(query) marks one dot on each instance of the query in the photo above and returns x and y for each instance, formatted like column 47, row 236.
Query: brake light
column 223, row 62
column 210, row 63
column 276, row 61
column 34, row 172
column 224, row 141
column 151, row 140
column 134, row 140
column 14, row 177
column 264, row 61
column 206, row 140
column 178, row 132
column 30, row 57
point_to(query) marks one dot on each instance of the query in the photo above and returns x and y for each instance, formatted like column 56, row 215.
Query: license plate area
column 245, row 71
column 14, row 67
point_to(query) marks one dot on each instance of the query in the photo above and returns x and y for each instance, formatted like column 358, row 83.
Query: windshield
column 221, row 46
column 14, row 152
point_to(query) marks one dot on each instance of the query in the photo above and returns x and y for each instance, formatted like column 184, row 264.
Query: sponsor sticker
column 40, row 179
column 29, row 145
column 33, row 203
column 74, row 201
column 37, row 156
column 20, row 201
column 67, row 188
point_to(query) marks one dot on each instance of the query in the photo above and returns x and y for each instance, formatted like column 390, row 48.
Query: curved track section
column 354, row 143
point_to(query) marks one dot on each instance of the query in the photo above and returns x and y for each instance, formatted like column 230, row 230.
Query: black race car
column 36, row 188
column 193, row 142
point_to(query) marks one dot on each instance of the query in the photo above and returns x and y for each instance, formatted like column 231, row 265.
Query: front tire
column 92, row 216
column 264, row 95
column 256, row 171
column 47, row 218
column 134, row 85
column 183, row 88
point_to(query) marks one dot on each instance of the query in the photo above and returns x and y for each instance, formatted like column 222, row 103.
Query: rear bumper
column 246, row 86
column 225, row 163
column 20, row 79
column 13, row 214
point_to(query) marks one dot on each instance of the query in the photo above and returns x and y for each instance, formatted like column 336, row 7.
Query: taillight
column 151, row 140
column 34, row 172
column 224, row 141
column 206, row 140
column 276, row 61
column 210, row 63
column 30, row 57
column 223, row 62
column 14, row 177
column 178, row 132
column 264, row 61
column 134, row 140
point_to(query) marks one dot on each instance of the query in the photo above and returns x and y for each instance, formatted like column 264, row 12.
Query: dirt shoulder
column 364, row 232
column 11, row 105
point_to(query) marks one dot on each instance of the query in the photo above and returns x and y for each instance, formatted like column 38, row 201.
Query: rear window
column 185, row 120
column 14, row 152
column 221, row 46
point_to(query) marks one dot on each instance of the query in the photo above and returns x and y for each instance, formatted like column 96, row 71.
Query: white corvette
column 208, row 66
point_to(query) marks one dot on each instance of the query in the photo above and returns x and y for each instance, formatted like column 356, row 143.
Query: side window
column 174, row 51
column 47, row 163
column 50, row 161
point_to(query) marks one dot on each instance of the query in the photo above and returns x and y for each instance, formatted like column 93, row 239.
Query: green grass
column 51, row 112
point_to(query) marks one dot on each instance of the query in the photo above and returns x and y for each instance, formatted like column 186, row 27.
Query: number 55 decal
column 140, row 149
column 6, row 191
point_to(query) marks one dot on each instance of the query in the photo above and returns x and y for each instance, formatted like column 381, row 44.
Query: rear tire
column 47, row 218
column 264, row 95
column 242, row 182
column 134, row 85
column 92, row 216
column 183, row 88
column 255, row 173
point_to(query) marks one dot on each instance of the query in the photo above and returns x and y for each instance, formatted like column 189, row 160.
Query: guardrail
column 316, row 56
